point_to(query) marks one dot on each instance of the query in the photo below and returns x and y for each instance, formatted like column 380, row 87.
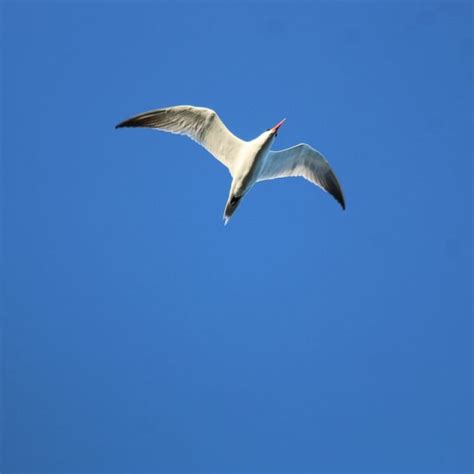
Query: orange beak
column 278, row 125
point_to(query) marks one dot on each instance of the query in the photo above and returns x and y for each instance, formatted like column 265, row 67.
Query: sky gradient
column 141, row 335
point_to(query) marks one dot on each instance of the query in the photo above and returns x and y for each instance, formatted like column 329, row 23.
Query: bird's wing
column 302, row 160
column 201, row 124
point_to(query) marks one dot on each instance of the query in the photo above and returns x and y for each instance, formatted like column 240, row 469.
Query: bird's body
column 247, row 161
column 249, row 164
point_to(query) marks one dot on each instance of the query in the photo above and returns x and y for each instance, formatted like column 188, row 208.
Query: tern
column 247, row 161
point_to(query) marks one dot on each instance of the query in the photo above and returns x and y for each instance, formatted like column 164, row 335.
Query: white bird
column 247, row 161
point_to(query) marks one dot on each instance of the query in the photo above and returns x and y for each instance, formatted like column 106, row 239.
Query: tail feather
column 230, row 207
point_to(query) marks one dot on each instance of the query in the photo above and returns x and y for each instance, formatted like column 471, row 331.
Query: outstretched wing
column 302, row 160
column 201, row 124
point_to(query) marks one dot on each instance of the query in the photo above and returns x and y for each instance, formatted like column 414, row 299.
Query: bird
column 248, row 162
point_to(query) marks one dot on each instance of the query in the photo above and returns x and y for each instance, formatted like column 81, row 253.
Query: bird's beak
column 278, row 125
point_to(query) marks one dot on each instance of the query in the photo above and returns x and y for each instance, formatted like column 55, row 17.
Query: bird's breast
column 251, row 165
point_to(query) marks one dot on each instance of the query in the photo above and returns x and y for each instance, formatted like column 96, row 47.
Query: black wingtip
column 122, row 124
column 333, row 187
column 336, row 192
column 131, row 122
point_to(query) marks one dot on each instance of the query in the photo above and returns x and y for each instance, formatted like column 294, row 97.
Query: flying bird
column 247, row 161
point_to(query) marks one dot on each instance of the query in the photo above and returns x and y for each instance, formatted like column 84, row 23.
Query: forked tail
column 231, row 206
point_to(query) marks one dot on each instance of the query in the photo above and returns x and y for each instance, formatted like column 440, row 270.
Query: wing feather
column 198, row 123
column 302, row 160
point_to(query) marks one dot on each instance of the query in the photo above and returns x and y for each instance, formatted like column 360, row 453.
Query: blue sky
column 141, row 335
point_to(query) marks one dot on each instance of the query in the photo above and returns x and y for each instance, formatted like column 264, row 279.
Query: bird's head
column 274, row 130
column 267, row 138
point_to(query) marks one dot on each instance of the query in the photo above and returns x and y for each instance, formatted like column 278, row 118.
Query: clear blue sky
column 143, row 335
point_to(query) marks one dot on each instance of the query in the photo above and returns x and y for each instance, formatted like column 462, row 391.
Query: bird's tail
column 231, row 206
